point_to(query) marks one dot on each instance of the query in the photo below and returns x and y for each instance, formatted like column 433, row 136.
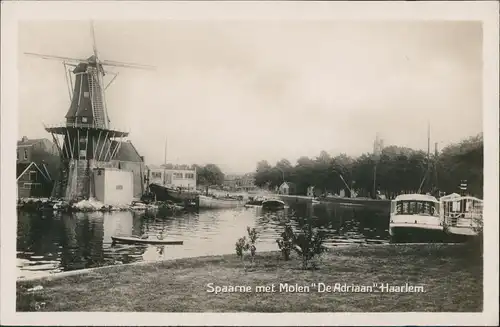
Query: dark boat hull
column 134, row 240
column 163, row 193
column 412, row 235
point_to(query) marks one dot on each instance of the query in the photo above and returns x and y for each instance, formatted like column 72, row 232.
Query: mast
column 165, row 153
column 165, row 163
column 428, row 156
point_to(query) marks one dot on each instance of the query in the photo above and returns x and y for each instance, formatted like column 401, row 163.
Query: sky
column 237, row 92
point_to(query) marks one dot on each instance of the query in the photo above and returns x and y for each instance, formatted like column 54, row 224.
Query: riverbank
column 451, row 277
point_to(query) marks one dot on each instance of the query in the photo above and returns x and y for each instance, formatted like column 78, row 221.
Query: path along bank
column 451, row 277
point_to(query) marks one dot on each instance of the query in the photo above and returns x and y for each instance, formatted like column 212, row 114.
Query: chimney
column 24, row 139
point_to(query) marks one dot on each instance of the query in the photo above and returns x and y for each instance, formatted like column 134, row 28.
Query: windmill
column 88, row 141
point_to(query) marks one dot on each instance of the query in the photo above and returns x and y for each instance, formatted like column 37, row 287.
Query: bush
column 252, row 235
column 241, row 246
column 308, row 243
column 285, row 243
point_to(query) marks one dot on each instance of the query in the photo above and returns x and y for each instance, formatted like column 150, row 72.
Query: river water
column 50, row 242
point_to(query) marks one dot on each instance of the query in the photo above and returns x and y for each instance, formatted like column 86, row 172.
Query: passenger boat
column 415, row 216
column 273, row 204
column 209, row 202
column 138, row 240
column 462, row 215
column 166, row 193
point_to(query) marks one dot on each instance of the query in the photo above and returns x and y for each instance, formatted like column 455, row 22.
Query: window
column 85, row 95
column 33, row 176
column 84, row 119
column 119, row 187
column 29, row 186
column 83, row 155
column 189, row 175
column 25, row 154
column 417, row 208
column 156, row 174
column 177, row 175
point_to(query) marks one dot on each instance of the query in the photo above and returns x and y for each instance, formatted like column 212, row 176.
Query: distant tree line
column 394, row 171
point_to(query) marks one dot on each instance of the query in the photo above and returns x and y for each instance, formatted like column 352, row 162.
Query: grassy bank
column 450, row 274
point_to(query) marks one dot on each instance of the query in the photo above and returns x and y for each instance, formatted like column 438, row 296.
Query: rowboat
column 137, row 240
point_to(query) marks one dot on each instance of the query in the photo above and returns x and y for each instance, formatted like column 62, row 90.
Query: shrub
column 241, row 246
column 252, row 235
column 307, row 243
column 285, row 243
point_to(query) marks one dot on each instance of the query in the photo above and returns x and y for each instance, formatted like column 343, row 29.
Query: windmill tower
column 88, row 141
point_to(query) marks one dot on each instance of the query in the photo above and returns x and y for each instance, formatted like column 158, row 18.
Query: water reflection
column 51, row 243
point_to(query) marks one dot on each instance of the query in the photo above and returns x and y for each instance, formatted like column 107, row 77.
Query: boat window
column 417, row 208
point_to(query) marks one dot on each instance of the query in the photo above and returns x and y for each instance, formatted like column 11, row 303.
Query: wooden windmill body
column 87, row 137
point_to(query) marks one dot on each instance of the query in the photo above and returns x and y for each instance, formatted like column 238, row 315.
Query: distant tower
column 87, row 136
column 378, row 145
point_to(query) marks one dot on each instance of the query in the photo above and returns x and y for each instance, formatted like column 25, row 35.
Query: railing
column 462, row 211
column 86, row 125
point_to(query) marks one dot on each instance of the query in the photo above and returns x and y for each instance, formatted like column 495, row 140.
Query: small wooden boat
column 137, row 240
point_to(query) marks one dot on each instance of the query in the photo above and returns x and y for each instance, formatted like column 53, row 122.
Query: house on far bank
column 245, row 182
column 310, row 191
column 287, row 188
column 37, row 166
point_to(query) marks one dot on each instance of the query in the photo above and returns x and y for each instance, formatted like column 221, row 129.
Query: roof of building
column 126, row 152
column 22, row 168
column 290, row 184
column 415, row 197
column 28, row 142
column 170, row 167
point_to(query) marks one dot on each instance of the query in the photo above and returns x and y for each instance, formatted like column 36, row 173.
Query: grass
column 451, row 276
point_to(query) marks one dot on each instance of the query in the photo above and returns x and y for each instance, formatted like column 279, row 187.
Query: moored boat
column 255, row 201
column 138, row 240
column 462, row 215
column 273, row 204
column 209, row 202
column 166, row 193
column 415, row 216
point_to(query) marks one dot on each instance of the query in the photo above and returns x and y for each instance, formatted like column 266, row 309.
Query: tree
column 209, row 175
column 262, row 174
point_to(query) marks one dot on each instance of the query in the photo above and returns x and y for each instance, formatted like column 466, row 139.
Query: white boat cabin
column 462, row 215
column 415, row 211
